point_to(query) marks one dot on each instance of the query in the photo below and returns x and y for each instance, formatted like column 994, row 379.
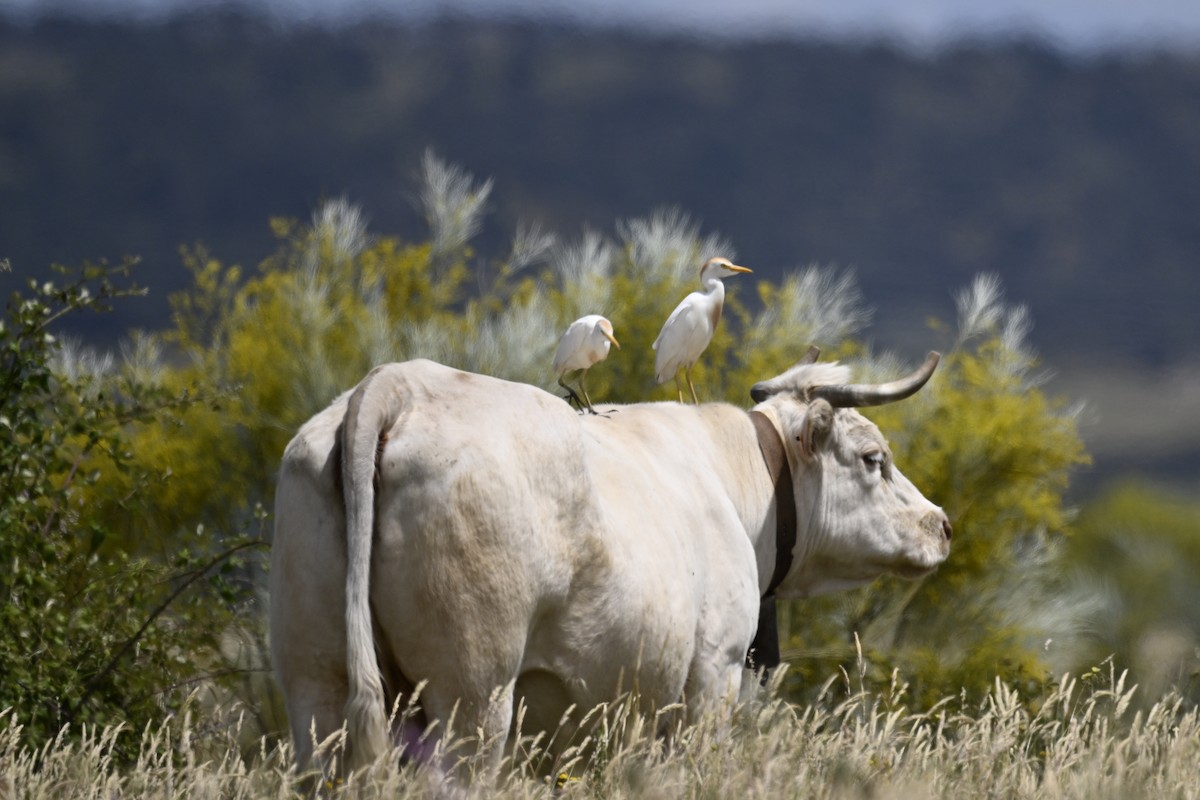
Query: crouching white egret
column 584, row 344
column 690, row 328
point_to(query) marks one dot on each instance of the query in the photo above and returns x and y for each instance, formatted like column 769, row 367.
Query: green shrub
column 96, row 626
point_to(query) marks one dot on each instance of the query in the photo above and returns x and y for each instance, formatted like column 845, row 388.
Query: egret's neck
column 713, row 287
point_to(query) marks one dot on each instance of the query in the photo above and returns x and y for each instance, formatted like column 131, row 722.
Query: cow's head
column 857, row 515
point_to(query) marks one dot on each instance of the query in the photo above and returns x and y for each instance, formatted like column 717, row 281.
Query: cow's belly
column 632, row 633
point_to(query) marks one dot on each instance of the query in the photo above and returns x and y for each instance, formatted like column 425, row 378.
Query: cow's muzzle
column 937, row 527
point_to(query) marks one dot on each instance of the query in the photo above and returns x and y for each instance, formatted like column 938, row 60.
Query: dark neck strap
column 764, row 651
column 773, row 454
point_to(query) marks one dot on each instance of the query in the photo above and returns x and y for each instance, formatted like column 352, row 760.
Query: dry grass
column 1084, row 739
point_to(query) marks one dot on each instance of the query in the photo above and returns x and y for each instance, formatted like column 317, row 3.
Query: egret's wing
column 682, row 340
column 569, row 346
column 682, row 317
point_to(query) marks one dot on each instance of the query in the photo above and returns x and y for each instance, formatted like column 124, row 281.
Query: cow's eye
column 874, row 459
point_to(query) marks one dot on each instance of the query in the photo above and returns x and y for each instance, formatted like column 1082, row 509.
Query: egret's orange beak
column 612, row 339
column 736, row 268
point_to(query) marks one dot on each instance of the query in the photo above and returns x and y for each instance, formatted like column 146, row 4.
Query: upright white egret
column 583, row 344
column 690, row 328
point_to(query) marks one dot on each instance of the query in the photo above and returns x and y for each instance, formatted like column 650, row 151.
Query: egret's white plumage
column 690, row 328
column 585, row 343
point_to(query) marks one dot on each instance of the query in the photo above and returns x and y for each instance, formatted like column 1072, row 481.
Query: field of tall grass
column 1086, row 737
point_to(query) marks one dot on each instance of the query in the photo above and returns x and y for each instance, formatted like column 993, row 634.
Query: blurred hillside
column 1077, row 179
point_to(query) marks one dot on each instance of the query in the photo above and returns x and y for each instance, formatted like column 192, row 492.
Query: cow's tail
column 370, row 413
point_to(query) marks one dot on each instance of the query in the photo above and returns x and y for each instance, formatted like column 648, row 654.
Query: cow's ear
column 818, row 422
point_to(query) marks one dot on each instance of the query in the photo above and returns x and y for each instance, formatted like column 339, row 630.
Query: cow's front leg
column 712, row 690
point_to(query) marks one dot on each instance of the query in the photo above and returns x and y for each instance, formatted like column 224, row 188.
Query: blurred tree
column 1137, row 548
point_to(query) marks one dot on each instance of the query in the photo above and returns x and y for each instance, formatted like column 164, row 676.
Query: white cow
column 441, row 526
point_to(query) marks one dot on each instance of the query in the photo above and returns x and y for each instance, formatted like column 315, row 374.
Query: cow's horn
column 858, row 395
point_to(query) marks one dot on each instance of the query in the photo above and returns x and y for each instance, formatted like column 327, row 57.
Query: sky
column 1070, row 24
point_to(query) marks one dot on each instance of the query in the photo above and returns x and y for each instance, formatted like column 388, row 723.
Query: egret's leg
column 688, row 374
column 678, row 386
column 583, row 388
column 571, row 397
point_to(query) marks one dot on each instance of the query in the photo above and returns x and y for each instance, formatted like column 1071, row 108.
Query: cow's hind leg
column 310, row 663
column 479, row 725
column 315, row 716
column 308, row 611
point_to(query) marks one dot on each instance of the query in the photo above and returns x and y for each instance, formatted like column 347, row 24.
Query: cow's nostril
column 947, row 529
